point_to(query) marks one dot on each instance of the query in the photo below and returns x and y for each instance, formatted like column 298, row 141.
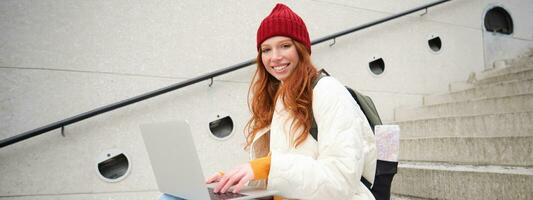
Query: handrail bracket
column 63, row 131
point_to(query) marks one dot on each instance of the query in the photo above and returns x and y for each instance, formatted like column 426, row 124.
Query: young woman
column 283, row 101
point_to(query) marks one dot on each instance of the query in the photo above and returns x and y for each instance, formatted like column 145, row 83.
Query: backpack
column 385, row 170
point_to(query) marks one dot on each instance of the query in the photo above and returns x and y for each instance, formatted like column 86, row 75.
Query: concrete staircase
column 475, row 142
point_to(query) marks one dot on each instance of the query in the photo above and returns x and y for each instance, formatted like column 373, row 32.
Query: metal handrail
column 110, row 107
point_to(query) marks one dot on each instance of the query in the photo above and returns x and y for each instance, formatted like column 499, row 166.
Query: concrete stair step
column 511, row 151
column 446, row 181
column 489, row 125
column 506, row 104
column 522, row 74
column 459, row 86
column 500, row 89
column 503, row 67
column 404, row 197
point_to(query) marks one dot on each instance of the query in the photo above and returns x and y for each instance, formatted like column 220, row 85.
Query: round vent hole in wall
column 221, row 127
column 113, row 165
column 435, row 44
column 498, row 20
column 377, row 66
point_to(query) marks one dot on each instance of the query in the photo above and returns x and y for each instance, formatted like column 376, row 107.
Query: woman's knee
column 168, row 197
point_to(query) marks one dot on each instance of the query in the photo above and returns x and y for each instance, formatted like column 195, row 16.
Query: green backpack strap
column 321, row 74
column 314, row 128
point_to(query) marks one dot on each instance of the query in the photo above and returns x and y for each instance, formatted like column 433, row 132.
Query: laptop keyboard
column 222, row 196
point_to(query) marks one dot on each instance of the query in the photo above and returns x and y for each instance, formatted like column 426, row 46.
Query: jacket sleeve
column 336, row 172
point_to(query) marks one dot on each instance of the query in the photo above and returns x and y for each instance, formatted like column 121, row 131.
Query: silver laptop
column 176, row 165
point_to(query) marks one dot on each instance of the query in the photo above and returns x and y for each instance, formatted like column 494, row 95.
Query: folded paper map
column 388, row 142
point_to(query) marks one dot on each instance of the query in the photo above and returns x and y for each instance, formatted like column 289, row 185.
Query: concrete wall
column 498, row 46
column 62, row 58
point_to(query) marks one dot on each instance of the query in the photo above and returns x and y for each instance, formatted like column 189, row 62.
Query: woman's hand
column 215, row 178
column 237, row 177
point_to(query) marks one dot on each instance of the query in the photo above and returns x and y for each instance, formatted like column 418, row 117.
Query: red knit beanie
column 282, row 21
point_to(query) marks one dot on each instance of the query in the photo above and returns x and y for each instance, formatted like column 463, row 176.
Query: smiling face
column 279, row 56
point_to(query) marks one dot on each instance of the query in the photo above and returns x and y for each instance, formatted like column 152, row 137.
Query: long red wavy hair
column 296, row 93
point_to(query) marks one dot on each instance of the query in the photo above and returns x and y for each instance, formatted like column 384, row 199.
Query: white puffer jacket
column 330, row 168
